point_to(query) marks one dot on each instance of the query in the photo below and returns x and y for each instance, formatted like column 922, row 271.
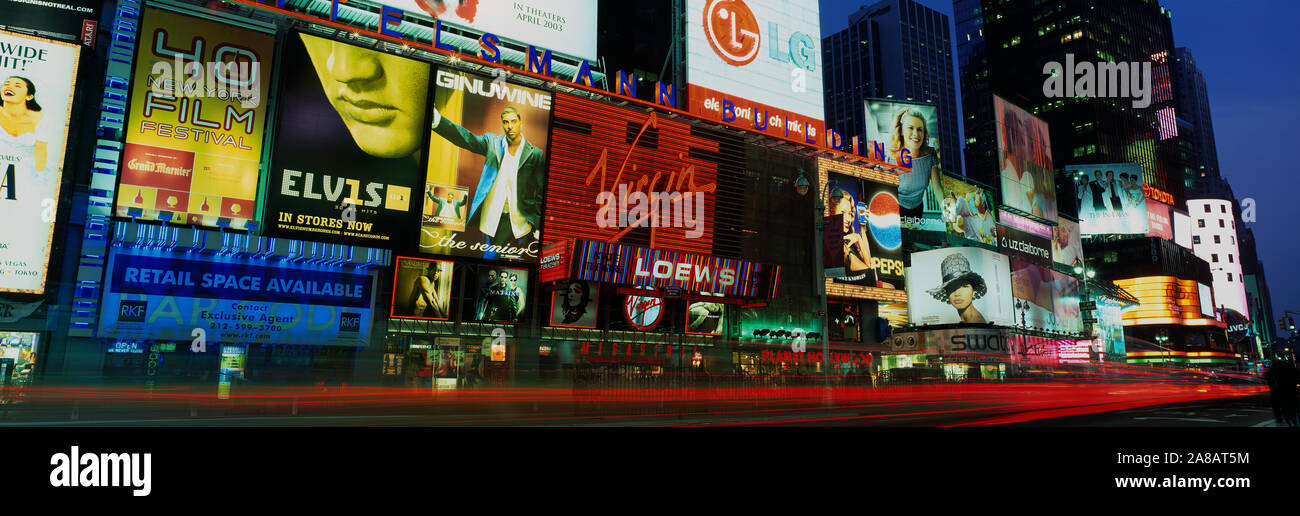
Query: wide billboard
column 657, row 269
column 368, row 109
column 757, row 64
column 487, row 166
column 502, row 294
column 422, row 289
column 164, row 296
column 567, row 27
column 968, row 211
column 909, row 134
column 1025, row 159
column 575, row 304
column 959, row 284
column 862, row 242
column 1110, row 197
column 39, row 78
column 194, row 129
column 1067, row 245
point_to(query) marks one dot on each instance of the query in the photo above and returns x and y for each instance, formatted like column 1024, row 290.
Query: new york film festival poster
column 482, row 196
column 39, row 78
column 422, row 289
column 1025, row 159
column 195, row 127
column 862, row 238
column 351, row 135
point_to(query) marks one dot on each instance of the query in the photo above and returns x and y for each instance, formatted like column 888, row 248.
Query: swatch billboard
column 164, row 296
column 757, row 64
column 369, row 109
column 487, row 166
column 195, row 126
column 959, row 284
column 39, row 79
column 1110, row 197
column 1025, row 159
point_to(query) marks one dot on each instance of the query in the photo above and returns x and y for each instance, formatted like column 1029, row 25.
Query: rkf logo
column 132, row 311
column 350, row 322
column 732, row 30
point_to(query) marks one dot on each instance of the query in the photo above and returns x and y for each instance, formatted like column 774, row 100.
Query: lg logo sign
column 734, row 33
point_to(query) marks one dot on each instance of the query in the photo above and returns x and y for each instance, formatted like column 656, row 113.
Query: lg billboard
column 757, row 64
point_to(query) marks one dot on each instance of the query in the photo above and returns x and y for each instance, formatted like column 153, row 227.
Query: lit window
column 1196, row 239
column 1217, row 240
column 1200, row 223
column 1229, row 276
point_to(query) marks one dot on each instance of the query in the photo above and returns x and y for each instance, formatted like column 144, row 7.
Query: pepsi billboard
column 165, row 296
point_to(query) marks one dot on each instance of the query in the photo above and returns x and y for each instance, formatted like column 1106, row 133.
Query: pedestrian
column 1282, row 379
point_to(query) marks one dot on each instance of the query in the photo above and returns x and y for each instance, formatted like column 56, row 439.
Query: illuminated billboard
column 1109, row 329
column 1032, row 286
column 1065, row 304
column 622, row 175
column 567, row 27
column 1067, row 246
column 67, row 18
column 39, row 79
column 1025, row 159
column 706, row 318
column 164, row 296
column 967, row 211
column 959, row 284
column 368, row 109
column 1110, row 197
column 194, row 130
column 1168, row 300
column 575, row 304
column 1160, row 222
column 863, row 241
column 502, row 294
column 756, row 64
column 487, row 166
column 657, row 268
column 421, row 289
column 1025, row 246
column 1182, row 229
column 909, row 134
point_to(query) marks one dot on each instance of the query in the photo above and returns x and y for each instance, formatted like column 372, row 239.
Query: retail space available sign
column 161, row 296
column 655, row 269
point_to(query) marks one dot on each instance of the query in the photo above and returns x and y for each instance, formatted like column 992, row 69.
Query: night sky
column 1247, row 53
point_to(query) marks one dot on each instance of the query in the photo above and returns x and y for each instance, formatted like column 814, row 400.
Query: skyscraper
column 1003, row 48
column 1194, row 106
column 895, row 49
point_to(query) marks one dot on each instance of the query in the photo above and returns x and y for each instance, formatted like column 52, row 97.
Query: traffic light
column 1290, row 323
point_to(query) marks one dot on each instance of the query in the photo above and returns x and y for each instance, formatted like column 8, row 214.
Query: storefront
column 18, row 357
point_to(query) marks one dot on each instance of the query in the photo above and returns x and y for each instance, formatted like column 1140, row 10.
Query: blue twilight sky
column 1248, row 54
